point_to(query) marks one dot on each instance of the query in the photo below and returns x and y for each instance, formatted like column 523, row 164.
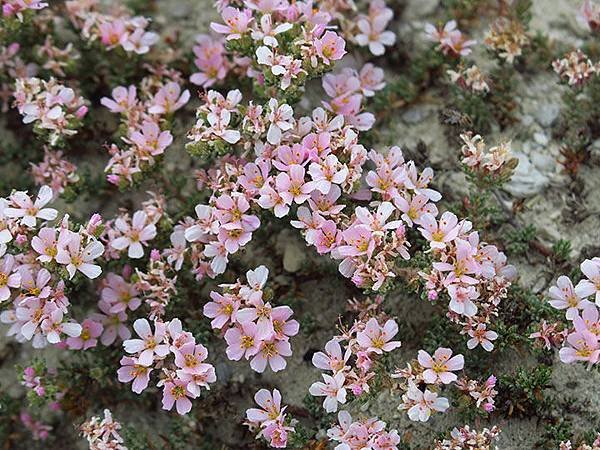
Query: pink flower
column 114, row 324
column 222, row 309
column 236, row 22
column 415, row 209
column 132, row 370
column 461, row 299
column 325, row 204
column 271, row 352
column 480, row 335
column 281, row 118
column 80, row 259
column 360, row 241
column 583, row 347
column 327, row 237
column 439, row 368
column 277, row 433
column 423, row 403
column 219, row 122
column 330, row 47
column 169, row 99
column 150, row 139
column 270, row 198
column 233, row 238
column 111, row 33
column 189, row 358
column 371, row 79
column 90, row 331
column 120, row 294
column 377, row 221
column 565, row 296
column 230, row 212
column 377, row 339
column 8, row 277
column 53, row 326
column 175, row 392
column 29, row 211
column 328, row 172
column 260, row 312
column 464, row 265
column 333, row 359
column 150, row 344
column 591, row 286
column 292, row 187
column 270, row 407
column 124, row 99
column 256, row 280
column 439, row 234
column 135, row 236
column 332, row 389
column 282, row 327
column 373, row 34
column 242, row 341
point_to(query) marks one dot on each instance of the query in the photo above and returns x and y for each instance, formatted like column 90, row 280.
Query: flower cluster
column 349, row 89
column 353, row 367
column 470, row 79
column 39, row 430
column 146, row 121
column 56, row 110
column 368, row 240
column 55, row 59
column 183, row 375
column 54, row 171
column 33, row 278
column 286, row 43
column 211, row 61
column 464, row 438
column 270, row 419
column 11, row 68
column 473, row 274
column 483, row 394
column 362, row 434
column 451, row 41
column 103, row 434
column 433, row 372
column 113, row 31
column 576, row 68
column 372, row 28
column 18, row 7
column 581, row 340
column 487, row 166
column 507, row 38
column 254, row 328
column 40, row 384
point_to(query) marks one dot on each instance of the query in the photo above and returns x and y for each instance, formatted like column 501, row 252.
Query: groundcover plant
column 300, row 224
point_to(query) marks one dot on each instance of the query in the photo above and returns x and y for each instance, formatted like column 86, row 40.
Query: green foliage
column 521, row 393
column 562, row 250
column 518, row 240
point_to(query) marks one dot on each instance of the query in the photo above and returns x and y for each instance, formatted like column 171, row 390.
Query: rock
column 294, row 256
column 527, row 179
column 527, row 120
column 419, row 9
column 541, row 138
column 543, row 162
column 547, row 113
column 415, row 114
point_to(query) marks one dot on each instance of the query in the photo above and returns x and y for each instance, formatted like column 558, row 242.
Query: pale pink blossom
column 439, row 368
column 378, row 339
column 332, row 389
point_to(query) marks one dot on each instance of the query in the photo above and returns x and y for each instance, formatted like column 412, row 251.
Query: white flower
column 28, row 211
